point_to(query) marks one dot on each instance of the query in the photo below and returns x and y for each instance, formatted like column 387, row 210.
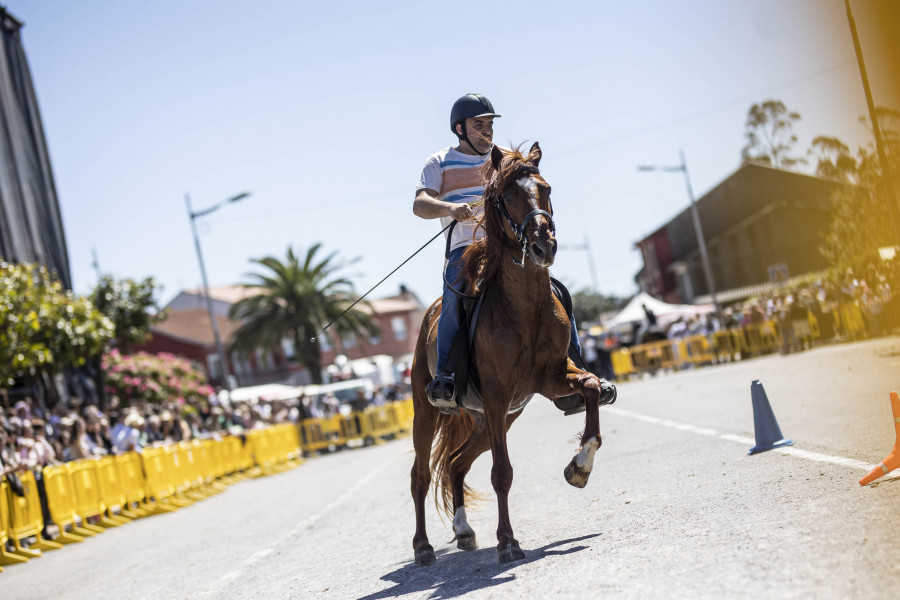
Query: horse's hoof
column 510, row 553
column 466, row 542
column 575, row 476
column 425, row 555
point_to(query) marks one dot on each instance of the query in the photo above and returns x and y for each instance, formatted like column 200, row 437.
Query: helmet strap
column 465, row 137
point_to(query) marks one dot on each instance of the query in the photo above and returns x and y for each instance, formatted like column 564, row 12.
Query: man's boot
column 575, row 403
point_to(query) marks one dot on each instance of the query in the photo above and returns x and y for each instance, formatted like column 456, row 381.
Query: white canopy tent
column 665, row 313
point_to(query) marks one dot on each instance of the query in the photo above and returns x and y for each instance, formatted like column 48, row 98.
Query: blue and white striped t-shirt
column 456, row 177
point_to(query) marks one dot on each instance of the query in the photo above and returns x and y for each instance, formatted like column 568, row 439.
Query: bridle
column 519, row 229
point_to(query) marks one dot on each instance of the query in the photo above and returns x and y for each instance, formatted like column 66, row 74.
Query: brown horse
column 520, row 349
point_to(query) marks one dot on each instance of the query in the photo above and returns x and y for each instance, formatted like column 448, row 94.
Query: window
column 324, row 342
column 398, row 325
column 214, row 366
column 264, row 360
column 349, row 341
column 287, row 346
column 241, row 364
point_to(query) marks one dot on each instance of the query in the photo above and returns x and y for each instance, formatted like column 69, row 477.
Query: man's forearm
column 431, row 208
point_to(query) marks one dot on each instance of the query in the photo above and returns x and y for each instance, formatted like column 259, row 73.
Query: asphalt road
column 674, row 509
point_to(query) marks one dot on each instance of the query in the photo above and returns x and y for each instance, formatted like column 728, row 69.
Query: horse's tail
column 451, row 432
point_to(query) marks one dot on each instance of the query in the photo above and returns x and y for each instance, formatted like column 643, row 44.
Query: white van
column 344, row 391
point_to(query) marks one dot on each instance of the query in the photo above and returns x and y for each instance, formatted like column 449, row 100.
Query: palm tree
column 296, row 299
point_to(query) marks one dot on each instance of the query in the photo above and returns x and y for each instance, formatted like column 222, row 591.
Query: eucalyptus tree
column 294, row 299
column 769, row 130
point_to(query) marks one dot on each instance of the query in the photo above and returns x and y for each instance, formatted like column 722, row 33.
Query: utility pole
column 886, row 179
column 698, row 228
column 220, row 348
column 96, row 264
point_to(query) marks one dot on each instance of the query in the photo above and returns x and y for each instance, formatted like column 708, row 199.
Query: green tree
column 588, row 305
column 294, row 299
column 44, row 328
column 131, row 306
column 833, row 159
column 769, row 130
column 862, row 221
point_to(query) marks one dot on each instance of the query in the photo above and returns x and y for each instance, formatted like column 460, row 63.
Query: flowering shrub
column 153, row 378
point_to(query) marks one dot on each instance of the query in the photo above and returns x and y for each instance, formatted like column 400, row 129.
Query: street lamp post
column 698, row 228
column 220, row 349
column 590, row 258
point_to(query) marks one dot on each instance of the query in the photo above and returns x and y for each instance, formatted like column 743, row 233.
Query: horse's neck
column 525, row 289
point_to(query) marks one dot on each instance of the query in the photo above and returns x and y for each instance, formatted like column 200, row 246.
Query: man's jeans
column 448, row 324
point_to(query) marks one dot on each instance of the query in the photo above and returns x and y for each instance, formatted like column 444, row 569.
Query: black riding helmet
column 469, row 106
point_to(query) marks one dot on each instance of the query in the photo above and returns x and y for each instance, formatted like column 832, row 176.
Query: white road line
column 730, row 437
column 304, row 524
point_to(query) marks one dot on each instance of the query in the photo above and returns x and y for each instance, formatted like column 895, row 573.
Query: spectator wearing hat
column 127, row 435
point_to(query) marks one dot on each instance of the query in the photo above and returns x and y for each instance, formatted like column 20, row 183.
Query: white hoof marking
column 585, row 459
column 461, row 524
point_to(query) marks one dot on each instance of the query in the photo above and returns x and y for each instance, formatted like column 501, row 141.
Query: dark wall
column 31, row 228
column 759, row 216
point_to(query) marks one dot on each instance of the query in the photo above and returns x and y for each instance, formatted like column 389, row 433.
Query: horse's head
column 521, row 197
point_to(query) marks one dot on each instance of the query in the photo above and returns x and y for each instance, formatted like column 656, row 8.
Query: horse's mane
column 481, row 260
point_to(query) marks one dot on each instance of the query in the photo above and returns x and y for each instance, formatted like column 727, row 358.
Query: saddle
column 460, row 359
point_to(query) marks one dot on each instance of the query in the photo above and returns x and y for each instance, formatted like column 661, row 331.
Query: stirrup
column 441, row 393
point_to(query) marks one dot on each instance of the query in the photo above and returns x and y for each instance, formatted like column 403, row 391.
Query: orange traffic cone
column 893, row 459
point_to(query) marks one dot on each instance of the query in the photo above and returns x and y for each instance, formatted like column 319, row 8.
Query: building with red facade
column 187, row 332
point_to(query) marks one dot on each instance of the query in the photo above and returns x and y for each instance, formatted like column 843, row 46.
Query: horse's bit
column 519, row 230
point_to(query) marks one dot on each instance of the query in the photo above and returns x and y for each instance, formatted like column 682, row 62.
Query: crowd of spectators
column 33, row 436
column 834, row 305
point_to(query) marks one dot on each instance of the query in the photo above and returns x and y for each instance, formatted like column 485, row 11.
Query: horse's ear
column 534, row 155
column 496, row 157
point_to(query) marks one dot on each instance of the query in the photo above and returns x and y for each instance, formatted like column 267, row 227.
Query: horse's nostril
column 536, row 250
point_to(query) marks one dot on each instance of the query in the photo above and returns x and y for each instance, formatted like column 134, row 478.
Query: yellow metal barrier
column 770, row 337
column 851, row 320
column 111, row 493
column 181, row 471
column 814, row 327
column 133, row 485
column 7, row 557
column 350, row 428
column 725, row 345
column 402, row 416
column 61, row 499
column 160, row 486
column 26, row 520
column 698, row 350
column 654, row 356
column 622, row 364
column 88, row 500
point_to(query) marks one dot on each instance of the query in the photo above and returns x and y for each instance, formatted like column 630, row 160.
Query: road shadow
column 457, row 573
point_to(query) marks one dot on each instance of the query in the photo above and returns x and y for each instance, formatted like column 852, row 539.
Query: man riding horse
column 450, row 188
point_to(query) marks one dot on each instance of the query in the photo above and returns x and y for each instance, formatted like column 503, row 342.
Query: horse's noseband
column 519, row 229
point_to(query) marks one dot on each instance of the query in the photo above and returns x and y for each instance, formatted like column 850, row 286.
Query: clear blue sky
column 326, row 111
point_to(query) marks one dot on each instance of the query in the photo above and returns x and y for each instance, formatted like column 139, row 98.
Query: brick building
column 187, row 332
column 761, row 224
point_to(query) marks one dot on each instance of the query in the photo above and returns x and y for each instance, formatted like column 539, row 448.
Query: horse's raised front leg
column 590, row 386
column 424, row 422
column 501, row 478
